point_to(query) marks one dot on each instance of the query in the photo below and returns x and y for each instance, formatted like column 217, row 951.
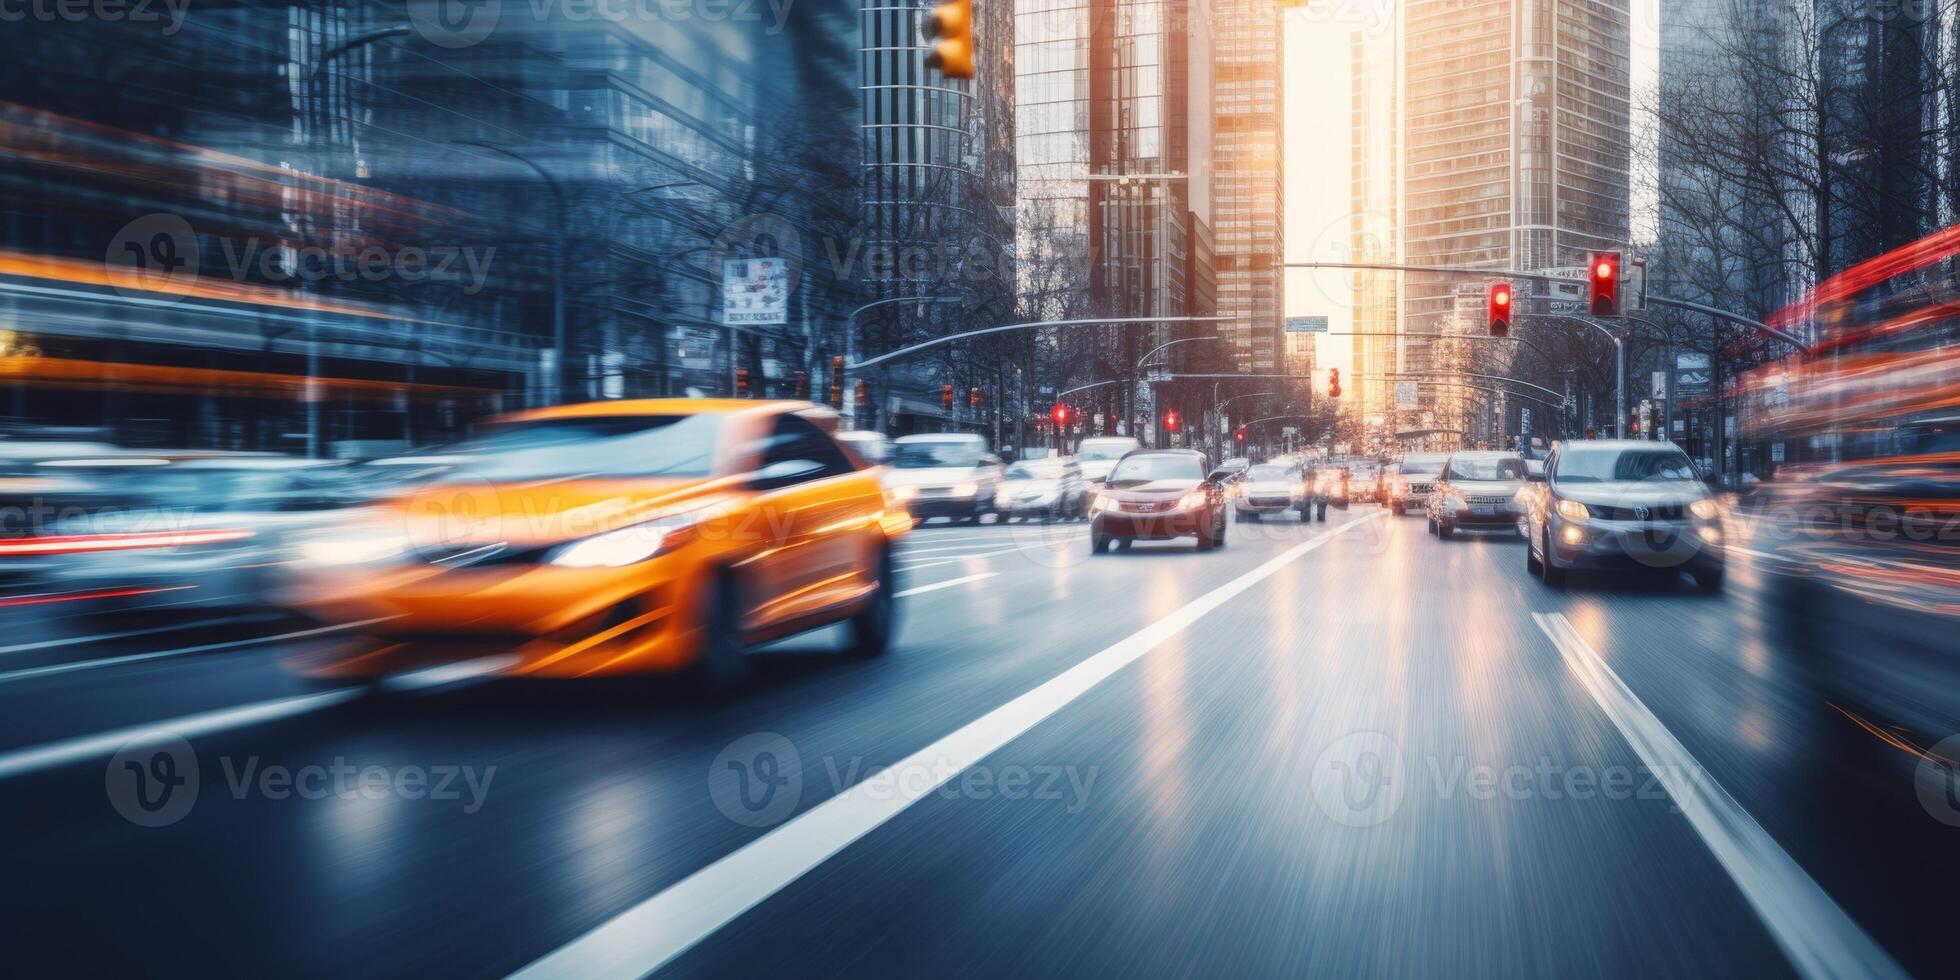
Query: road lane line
column 29, row 673
column 649, row 935
column 936, row 562
column 904, row 553
column 127, row 634
column 949, row 583
column 21, row 761
column 1812, row 930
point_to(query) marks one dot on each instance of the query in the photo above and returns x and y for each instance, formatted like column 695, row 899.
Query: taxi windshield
column 591, row 446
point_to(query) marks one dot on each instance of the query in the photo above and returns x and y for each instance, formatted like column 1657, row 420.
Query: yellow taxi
column 607, row 538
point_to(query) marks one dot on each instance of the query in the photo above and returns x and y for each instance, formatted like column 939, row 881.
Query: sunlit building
column 1249, row 202
column 1515, row 148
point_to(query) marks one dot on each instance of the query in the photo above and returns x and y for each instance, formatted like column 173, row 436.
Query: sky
column 1317, row 82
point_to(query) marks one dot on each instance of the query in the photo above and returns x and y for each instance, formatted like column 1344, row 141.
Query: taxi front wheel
column 724, row 661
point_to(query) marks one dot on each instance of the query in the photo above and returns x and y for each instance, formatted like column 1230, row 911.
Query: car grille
column 1657, row 512
column 1421, row 488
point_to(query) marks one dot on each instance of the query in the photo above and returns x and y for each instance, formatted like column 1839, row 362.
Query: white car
column 1271, row 488
column 943, row 474
column 1051, row 489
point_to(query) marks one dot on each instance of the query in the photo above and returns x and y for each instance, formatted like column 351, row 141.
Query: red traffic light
column 1501, row 296
column 1603, row 283
column 1241, row 433
column 863, row 394
column 973, row 397
column 1334, row 382
column 741, row 382
column 946, row 397
column 1171, row 421
column 1059, row 414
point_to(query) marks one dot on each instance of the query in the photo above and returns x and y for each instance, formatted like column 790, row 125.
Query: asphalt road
column 1347, row 748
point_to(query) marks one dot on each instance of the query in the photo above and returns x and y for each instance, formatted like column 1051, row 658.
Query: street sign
column 1691, row 371
column 755, row 292
column 1406, row 394
column 1306, row 324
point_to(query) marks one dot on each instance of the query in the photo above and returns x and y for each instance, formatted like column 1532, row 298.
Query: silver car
column 1050, row 488
column 1477, row 490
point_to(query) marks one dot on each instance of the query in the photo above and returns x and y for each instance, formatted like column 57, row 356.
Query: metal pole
column 1620, row 385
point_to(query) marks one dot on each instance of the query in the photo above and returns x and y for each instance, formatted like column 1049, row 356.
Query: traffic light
column 946, row 397
column 863, row 395
column 741, row 382
column 1500, row 309
column 1171, row 421
column 1241, row 435
column 1603, row 277
column 973, row 398
column 837, row 381
column 950, row 25
column 1060, row 414
column 1333, row 382
column 803, row 384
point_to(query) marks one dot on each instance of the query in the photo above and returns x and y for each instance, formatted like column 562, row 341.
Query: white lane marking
column 126, row 634
column 905, row 553
column 949, row 583
column 67, row 668
column 649, row 935
column 936, row 562
column 85, row 747
column 1816, row 934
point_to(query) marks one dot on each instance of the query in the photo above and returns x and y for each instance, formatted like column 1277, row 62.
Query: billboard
column 1306, row 324
column 1406, row 394
column 755, row 292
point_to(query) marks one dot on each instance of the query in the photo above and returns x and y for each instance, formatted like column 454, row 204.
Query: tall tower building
column 1248, row 201
column 1374, row 225
column 1515, row 150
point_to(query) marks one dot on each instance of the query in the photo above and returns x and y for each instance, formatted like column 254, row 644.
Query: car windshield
column 1108, row 450
column 1486, row 468
column 1146, row 467
column 1269, row 473
column 1422, row 466
column 590, row 446
column 1042, row 470
column 1623, row 465
column 931, row 455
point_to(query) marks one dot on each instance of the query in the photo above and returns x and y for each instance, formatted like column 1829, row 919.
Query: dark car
column 1476, row 490
column 1625, row 505
column 1158, row 494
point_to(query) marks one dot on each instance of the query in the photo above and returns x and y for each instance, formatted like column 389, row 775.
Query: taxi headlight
column 1573, row 510
column 1705, row 508
column 626, row 546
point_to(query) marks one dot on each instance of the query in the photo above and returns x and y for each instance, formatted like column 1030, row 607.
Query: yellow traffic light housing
column 950, row 25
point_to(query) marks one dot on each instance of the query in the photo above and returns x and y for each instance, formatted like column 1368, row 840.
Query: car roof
column 944, row 437
column 662, row 406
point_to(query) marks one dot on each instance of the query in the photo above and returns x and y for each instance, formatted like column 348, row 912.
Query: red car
column 1158, row 494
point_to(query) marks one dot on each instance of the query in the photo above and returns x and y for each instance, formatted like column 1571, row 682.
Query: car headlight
column 626, row 546
column 1192, row 501
column 1099, row 503
column 357, row 549
column 1573, row 510
column 1705, row 508
column 901, row 494
column 964, row 489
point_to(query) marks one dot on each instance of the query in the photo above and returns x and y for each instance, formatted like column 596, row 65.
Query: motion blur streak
column 1821, row 941
column 653, row 933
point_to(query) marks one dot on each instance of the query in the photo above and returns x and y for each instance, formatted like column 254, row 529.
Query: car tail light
column 75, row 544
